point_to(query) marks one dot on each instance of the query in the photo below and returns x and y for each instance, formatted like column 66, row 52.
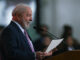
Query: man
column 15, row 42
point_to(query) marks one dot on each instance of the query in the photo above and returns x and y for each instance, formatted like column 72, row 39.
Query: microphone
column 40, row 29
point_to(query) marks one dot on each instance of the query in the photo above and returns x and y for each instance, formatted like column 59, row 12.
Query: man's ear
column 18, row 17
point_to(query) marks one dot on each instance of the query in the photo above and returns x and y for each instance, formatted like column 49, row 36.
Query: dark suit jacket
column 14, row 45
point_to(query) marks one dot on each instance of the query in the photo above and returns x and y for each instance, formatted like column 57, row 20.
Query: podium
column 69, row 55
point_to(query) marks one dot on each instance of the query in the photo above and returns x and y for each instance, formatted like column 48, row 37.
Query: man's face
column 27, row 17
column 46, row 41
column 70, row 41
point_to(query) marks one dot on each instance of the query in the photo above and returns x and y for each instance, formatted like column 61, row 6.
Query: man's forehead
column 29, row 10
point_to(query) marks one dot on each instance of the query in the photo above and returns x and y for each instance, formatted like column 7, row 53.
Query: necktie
column 30, row 43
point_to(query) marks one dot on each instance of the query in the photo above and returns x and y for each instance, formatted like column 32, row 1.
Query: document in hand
column 53, row 44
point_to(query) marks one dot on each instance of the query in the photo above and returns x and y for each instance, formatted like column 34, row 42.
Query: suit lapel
column 21, row 34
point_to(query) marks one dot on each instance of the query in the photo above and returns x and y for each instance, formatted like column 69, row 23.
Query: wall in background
column 57, row 13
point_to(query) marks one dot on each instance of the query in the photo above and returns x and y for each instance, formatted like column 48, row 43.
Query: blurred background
column 53, row 13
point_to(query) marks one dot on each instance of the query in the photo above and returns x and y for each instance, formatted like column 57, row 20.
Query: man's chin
column 26, row 26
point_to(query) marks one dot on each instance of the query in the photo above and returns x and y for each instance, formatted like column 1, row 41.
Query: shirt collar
column 19, row 26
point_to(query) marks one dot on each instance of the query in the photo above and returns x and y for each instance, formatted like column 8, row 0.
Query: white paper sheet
column 53, row 44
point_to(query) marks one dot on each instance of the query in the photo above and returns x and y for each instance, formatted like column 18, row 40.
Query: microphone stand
column 37, row 28
column 53, row 35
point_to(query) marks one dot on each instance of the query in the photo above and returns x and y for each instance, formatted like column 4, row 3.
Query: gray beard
column 26, row 25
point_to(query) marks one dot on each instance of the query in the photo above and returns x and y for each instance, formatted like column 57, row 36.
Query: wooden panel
column 70, row 55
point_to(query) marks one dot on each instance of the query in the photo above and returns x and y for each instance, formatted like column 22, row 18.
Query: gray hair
column 19, row 9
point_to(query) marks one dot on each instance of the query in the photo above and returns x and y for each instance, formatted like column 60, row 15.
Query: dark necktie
column 30, row 43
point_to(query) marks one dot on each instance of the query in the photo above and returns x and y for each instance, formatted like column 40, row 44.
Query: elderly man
column 16, row 43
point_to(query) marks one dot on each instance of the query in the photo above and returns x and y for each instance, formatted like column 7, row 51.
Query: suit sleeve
column 10, row 48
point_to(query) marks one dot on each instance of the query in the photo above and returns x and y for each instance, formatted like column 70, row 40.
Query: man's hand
column 50, row 53
column 39, row 55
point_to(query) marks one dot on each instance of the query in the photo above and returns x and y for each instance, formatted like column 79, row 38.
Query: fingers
column 39, row 55
column 48, row 54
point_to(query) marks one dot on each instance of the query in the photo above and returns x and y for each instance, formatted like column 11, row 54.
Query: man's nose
column 31, row 19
